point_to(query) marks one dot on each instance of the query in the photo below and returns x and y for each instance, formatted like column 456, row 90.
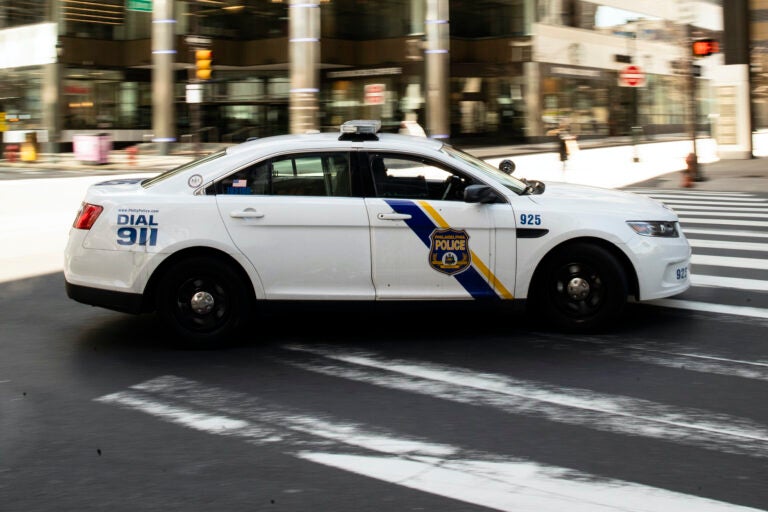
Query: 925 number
column 681, row 273
column 530, row 219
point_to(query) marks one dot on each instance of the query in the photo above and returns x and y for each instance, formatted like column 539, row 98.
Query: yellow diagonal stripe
column 476, row 260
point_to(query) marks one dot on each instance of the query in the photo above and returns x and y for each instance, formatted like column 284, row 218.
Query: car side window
column 309, row 174
column 407, row 177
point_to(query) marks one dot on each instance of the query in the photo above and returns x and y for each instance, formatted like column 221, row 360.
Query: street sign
column 631, row 76
column 194, row 93
column 198, row 41
column 139, row 5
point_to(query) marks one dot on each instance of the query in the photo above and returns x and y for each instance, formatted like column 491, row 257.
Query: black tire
column 580, row 287
column 203, row 302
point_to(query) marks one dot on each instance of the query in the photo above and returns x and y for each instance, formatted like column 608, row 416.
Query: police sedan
column 364, row 216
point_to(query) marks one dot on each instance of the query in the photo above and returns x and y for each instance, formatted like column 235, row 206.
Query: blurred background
column 472, row 71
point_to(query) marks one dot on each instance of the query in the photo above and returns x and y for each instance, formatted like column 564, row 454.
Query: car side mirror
column 479, row 194
column 507, row 166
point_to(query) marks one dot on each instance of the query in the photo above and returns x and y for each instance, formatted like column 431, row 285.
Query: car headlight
column 655, row 228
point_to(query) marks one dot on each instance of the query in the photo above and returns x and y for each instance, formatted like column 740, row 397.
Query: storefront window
column 16, row 13
column 20, row 98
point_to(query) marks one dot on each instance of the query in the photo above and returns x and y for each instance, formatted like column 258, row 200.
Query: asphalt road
column 385, row 410
column 393, row 409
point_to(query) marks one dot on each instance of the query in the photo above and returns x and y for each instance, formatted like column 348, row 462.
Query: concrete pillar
column 51, row 87
column 51, row 106
column 163, row 56
column 304, row 51
column 733, row 131
column 437, row 62
column 532, row 93
column 417, row 17
column 738, row 34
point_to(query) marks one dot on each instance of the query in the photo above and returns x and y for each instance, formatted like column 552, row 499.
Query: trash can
column 92, row 148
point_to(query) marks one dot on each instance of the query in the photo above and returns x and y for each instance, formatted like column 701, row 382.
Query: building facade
column 485, row 71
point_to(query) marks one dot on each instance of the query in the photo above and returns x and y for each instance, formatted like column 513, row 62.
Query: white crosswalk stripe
column 726, row 231
column 496, row 481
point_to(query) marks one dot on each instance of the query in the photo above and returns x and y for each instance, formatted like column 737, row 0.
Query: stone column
column 163, row 54
column 437, row 62
column 304, row 52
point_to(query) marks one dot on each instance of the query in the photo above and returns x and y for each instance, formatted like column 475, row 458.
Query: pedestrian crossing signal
column 203, row 60
column 705, row 47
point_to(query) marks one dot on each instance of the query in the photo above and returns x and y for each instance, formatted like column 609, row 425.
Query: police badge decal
column 449, row 251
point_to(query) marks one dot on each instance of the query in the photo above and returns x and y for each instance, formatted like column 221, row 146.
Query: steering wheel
column 453, row 183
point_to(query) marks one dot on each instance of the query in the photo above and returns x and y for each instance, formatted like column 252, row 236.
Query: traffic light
column 203, row 64
column 704, row 47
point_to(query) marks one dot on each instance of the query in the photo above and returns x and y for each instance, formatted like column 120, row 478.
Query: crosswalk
column 461, row 471
column 728, row 232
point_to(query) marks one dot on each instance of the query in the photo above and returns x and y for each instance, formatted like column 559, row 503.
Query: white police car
column 363, row 216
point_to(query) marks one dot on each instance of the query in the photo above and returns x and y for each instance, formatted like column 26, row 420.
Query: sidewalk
column 722, row 175
column 602, row 162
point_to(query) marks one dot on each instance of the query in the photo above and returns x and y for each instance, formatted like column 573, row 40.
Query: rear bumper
column 108, row 299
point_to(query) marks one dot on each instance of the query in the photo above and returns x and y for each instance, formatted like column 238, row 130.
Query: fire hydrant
column 691, row 170
column 132, row 152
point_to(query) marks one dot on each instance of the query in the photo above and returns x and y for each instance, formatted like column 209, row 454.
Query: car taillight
column 87, row 216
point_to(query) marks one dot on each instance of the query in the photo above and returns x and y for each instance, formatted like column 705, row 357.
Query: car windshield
column 176, row 170
column 515, row 185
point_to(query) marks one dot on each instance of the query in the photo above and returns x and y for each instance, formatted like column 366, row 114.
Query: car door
column 426, row 242
column 295, row 220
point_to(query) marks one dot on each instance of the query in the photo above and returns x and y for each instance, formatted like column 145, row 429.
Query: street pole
column 195, row 123
column 636, row 115
column 693, row 165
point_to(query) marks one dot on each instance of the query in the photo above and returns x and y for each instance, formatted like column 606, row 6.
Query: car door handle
column 248, row 213
column 394, row 216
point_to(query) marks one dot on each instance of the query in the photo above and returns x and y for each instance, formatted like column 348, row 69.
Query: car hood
column 581, row 197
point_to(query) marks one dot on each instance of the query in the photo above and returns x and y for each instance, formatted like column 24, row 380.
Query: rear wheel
column 580, row 287
column 203, row 302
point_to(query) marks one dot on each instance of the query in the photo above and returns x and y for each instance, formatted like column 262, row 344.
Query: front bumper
column 663, row 266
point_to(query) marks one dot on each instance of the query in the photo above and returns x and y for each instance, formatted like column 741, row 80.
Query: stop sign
column 632, row 76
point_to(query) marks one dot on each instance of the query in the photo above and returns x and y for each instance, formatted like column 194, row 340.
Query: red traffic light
column 704, row 47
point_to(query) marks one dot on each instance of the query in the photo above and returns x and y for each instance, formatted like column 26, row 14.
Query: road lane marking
column 725, row 232
column 729, row 261
column 518, row 486
column 734, row 222
column 581, row 407
column 710, row 307
column 728, row 244
column 689, row 194
column 498, row 482
column 736, row 283
column 722, row 215
column 681, row 357
column 180, row 415
column 743, row 209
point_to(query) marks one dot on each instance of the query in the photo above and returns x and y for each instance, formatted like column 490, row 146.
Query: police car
column 364, row 216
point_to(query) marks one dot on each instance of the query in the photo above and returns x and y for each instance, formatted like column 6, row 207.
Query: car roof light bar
column 360, row 129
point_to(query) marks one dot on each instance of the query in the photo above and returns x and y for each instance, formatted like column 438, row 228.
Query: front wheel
column 579, row 287
column 203, row 302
